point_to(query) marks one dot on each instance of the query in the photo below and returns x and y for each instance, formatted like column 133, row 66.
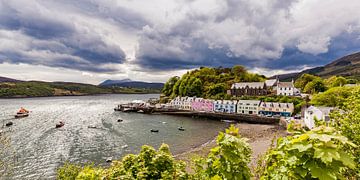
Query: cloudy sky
column 93, row 40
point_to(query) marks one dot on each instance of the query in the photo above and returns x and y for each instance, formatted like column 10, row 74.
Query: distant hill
column 131, row 84
column 347, row 66
column 15, row 88
column 5, row 79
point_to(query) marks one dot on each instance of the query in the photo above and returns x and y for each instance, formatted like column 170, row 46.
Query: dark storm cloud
column 56, row 40
column 276, row 34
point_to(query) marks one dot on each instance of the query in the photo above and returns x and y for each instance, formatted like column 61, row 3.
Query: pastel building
column 201, row 104
column 276, row 109
column 183, row 103
column 248, row 106
column 319, row 113
column 225, row 106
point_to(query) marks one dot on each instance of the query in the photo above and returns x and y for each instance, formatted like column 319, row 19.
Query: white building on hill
column 287, row 89
column 319, row 113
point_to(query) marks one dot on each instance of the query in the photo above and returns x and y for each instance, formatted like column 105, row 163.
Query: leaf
column 321, row 173
column 326, row 154
column 301, row 147
column 347, row 160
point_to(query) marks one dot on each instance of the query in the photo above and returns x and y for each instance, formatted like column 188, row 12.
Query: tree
column 335, row 81
column 228, row 160
column 333, row 97
column 348, row 122
column 315, row 86
column 303, row 80
column 315, row 154
column 195, row 88
column 148, row 164
column 169, row 85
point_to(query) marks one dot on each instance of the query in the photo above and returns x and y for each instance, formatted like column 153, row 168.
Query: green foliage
column 304, row 79
column 315, row 86
column 43, row 89
column 148, row 164
column 335, row 81
column 315, row 154
column 228, row 160
column 208, row 82
column 169, row 85
column 348, row 122
column 333, row 97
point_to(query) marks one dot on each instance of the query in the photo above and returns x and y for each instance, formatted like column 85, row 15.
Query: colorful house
column 182, row 103
column 201, row 104
column 248, row 106
column 225, row 106
column 276, row 109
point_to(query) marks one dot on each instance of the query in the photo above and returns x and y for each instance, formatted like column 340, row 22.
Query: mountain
column 5, row 79
column 131, row 84
column 347, row 66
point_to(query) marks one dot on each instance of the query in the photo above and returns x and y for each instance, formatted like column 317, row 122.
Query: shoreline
column 259, row 138
column 99, row 94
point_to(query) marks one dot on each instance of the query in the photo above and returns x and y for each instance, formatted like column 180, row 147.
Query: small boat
column 92, row 126
column 227, row 121
column 124, row 146
column 109, row 160
column 60, row 124
column 154, row 130
column 9, row 124
column 181, row 129
column 21, row 115
column 120, row 120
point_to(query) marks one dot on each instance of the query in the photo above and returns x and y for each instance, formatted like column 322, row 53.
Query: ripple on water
column 41, row 148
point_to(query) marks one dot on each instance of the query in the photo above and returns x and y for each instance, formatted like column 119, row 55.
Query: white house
column 287, row 89
column 248, row 106
column 183, row 103
column 320, row 113
column 226, row 106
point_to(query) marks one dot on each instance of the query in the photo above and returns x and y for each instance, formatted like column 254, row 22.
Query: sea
column 39, row 148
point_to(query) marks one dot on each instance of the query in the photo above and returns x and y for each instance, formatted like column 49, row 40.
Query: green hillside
column 43, row 89
column 208, row 82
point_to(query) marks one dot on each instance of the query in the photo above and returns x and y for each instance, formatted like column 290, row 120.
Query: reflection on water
column 41, row 148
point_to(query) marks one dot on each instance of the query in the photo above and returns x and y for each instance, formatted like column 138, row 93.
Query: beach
column 259, row 138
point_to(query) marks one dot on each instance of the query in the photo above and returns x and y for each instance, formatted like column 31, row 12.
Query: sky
column 93, row 40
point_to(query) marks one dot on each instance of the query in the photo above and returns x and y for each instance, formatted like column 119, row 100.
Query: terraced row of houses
column 254, row 107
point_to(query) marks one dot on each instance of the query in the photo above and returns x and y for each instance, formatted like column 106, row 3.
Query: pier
column 210, row 115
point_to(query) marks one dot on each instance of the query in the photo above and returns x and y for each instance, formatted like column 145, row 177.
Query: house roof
column 277, row 105
column 325, row 110
column 249, row 101
column 249, row 84
column 271, row 82
column 286, row 84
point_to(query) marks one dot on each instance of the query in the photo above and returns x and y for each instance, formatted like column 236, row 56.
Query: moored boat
column 22, row 113
column 154, row 130
column 60, row 124
column 181, row 129
column 9, row 124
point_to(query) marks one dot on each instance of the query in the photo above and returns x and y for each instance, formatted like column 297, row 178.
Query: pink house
column 200, row 104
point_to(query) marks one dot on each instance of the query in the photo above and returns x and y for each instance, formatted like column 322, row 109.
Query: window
column 285, row 89
column 280, row 88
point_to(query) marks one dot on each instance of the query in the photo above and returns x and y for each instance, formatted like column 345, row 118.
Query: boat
column 92, row 126
column 181, row 129
column 60, row 124
column 154, row 130
column 228, row 121
column 109, row 160
column 120, row 120
column 9, row 124
column 21, row 115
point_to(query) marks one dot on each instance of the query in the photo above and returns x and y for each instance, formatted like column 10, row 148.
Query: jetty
column 142, row 108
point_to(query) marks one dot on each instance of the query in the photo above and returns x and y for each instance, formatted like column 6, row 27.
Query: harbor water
column 40, row 148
